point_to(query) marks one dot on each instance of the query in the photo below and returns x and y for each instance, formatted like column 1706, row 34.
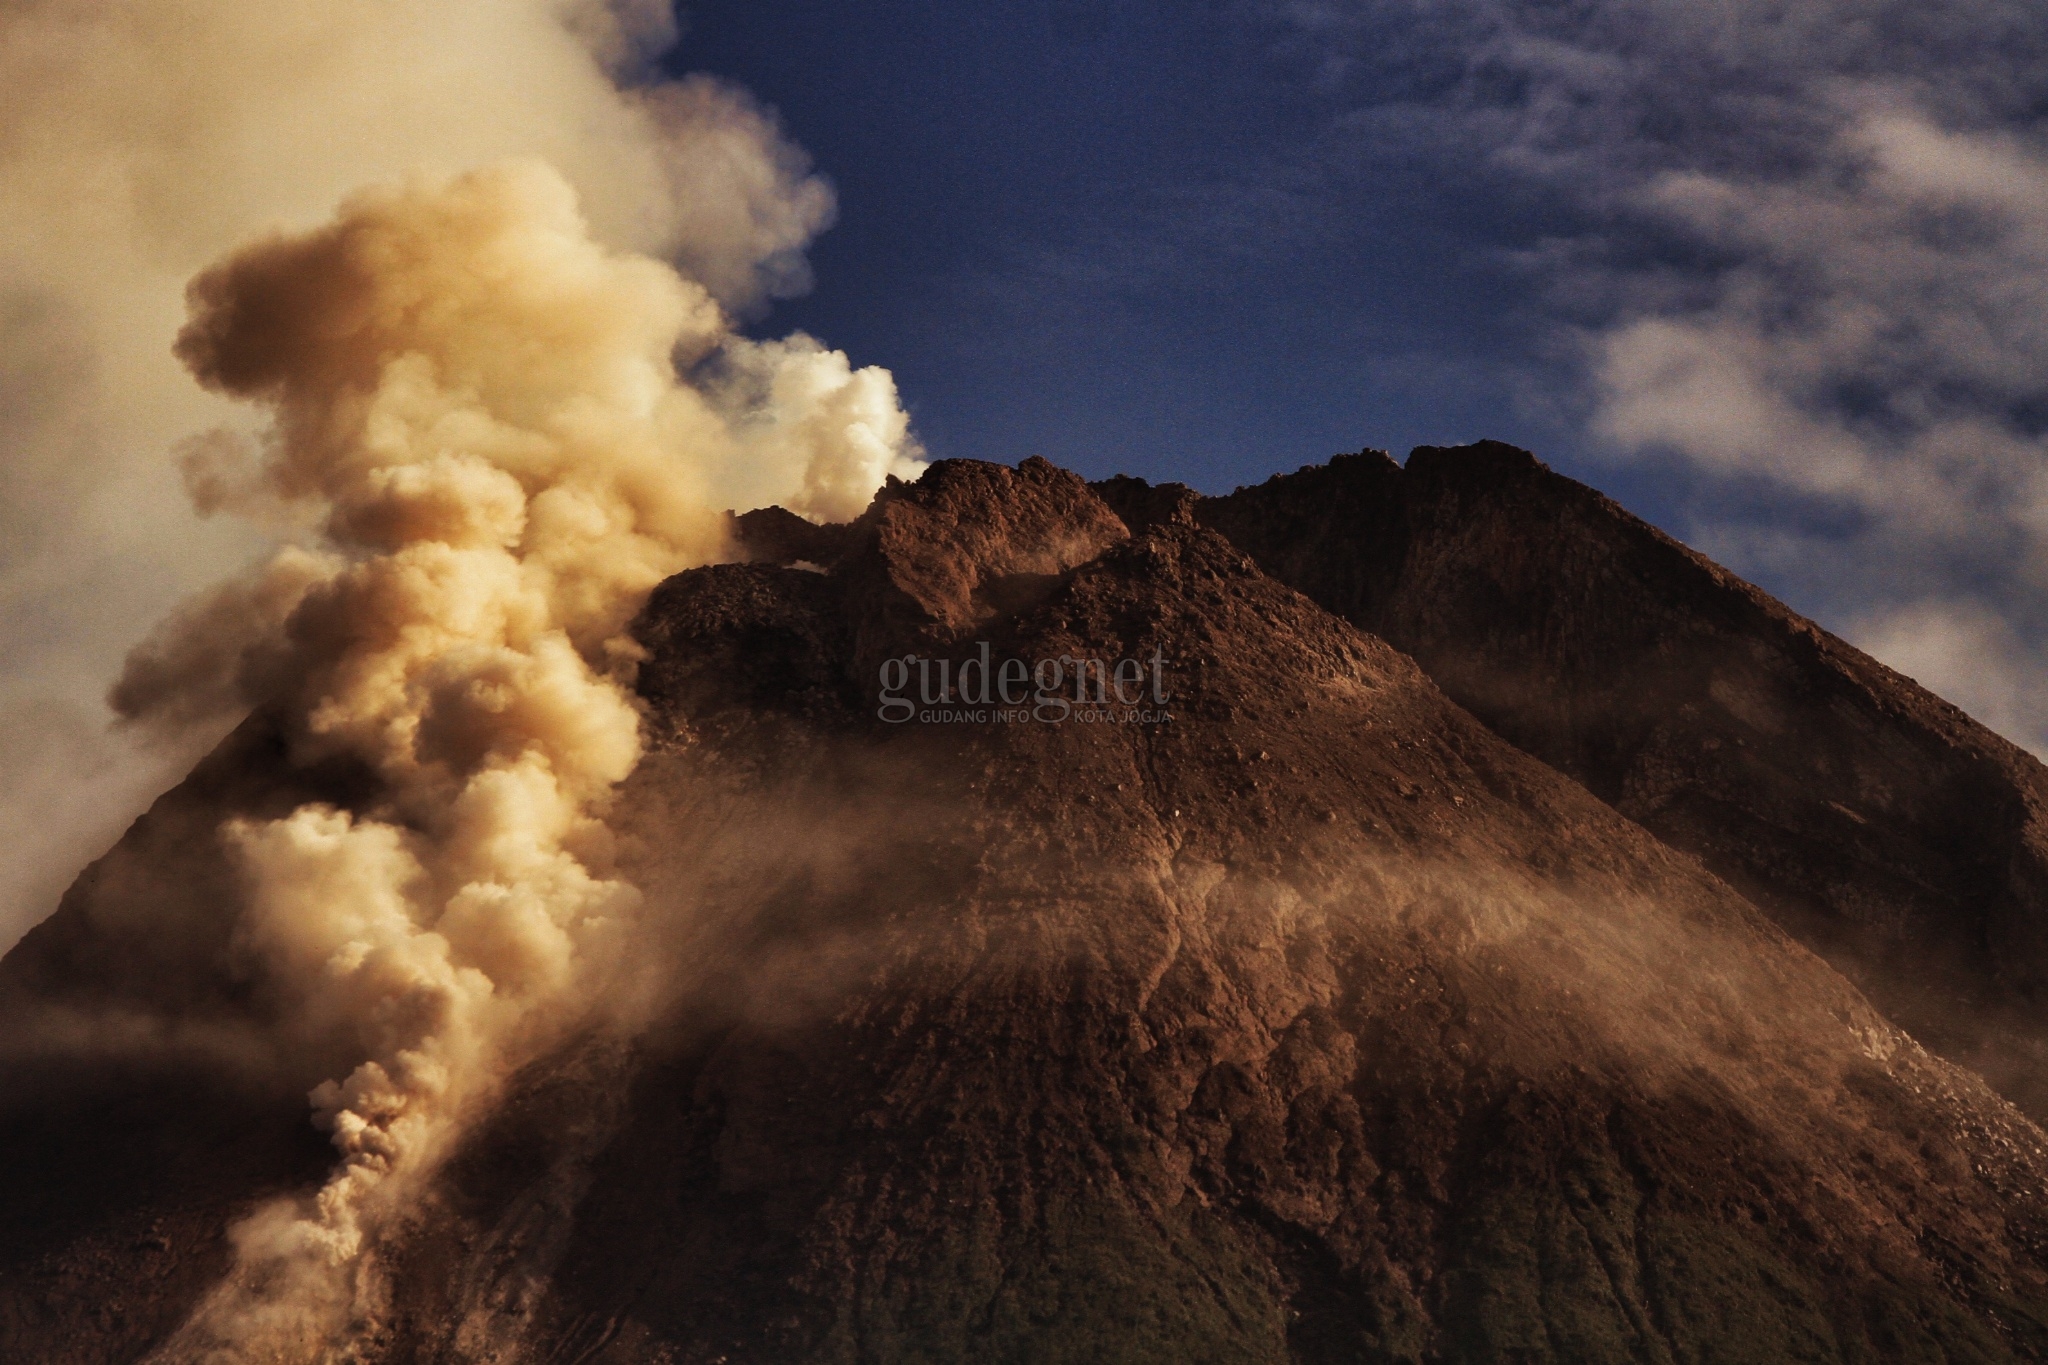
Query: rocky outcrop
column 975, row 542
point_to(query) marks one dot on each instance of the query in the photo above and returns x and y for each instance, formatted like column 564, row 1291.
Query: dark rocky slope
column 1889, row 831
column 1316, row 1024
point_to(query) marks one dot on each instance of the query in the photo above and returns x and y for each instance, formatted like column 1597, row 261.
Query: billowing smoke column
column 479, row 420
column 142, row 140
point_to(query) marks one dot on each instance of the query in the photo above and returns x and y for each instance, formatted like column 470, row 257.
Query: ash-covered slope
column 1316, row 1023
column 1885, row 828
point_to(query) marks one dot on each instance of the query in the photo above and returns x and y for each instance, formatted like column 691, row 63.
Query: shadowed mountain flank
column 1878, row 823
column 1245, row 1000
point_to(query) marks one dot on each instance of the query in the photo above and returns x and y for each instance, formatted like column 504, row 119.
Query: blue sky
column 1772, row 275
column 1106, row 234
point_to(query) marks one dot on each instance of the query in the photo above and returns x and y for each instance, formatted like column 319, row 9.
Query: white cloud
column 1804, row 250
column 1967, row 653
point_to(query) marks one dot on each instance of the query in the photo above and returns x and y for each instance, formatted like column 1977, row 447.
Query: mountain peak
column 1072, row 930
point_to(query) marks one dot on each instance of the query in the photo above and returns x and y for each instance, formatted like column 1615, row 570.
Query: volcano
column 1389, row 914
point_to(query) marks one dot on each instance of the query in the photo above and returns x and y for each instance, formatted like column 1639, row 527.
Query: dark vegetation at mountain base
column 1525, row 943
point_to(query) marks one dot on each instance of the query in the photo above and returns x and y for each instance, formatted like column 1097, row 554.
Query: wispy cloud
column 1798, row 248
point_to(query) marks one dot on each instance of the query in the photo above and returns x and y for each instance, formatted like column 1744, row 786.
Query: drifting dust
column 479, row 410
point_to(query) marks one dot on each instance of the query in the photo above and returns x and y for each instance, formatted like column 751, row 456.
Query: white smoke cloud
column 1800, row 250
column 138, row 142
column 803, row 412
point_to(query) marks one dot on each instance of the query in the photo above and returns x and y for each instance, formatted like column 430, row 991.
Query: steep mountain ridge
column 1316, row 1023
column 1888, row 830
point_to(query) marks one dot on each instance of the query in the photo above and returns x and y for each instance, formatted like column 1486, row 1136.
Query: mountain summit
column 1388, row 914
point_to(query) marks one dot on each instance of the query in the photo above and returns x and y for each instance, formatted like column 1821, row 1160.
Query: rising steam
column 478, row 415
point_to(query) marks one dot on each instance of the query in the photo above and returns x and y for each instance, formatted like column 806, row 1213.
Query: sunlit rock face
column 1071, row 934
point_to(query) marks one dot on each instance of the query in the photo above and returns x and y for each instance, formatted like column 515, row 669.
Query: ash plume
column 478, row 410
column 141, row 141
